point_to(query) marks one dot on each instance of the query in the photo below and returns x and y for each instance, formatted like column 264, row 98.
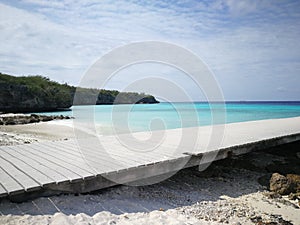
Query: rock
column 273, row 220
column 10, row 121
column 295, row 182
column 256, row 219
column 294, row 196
column 285, row 185
column 34, row 120
column 46, row 118
column 272, row 195
column 280, row 184
column 14, row 119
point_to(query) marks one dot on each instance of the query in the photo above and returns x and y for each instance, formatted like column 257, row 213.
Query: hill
column 38, row 93
column 86, row 96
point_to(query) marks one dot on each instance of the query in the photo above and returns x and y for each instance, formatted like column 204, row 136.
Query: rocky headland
column 40, row 94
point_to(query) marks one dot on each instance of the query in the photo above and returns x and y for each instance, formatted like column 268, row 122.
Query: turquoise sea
column 142, row 117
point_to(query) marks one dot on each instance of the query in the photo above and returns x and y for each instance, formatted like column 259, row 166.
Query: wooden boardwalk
column 85, row 165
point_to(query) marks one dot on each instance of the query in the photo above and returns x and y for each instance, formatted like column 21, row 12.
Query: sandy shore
column 37, row 132
column 227, row 193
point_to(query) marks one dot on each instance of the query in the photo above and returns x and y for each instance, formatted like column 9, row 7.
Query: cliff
column 37, row 94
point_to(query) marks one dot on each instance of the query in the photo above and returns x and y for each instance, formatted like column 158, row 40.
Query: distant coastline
column 242, row 102
column 26, row 94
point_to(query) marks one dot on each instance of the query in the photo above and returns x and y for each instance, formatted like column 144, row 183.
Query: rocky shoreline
column 17, row 119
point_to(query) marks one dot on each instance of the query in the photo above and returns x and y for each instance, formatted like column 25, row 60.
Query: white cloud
column 243, row 41
column 46, row 3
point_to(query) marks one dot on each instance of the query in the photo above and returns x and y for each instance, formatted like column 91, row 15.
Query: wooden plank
column 100, row 158
column 114, row 158
column 9, row 183
column 30, row 171
column 114, row 147
column 64, row 162
column 127, row 158
column 23, row 179
column 136, row 151
column 167, row 152
column 92, row 145
column 68, row 173
column 103, row 165
column 77, row 157
column 78, row 164
column 97, row 160
column 98, row 151
column 71, row 144
column 35, row 161
column 3, row 191
column 147, row 156
column 128, row 154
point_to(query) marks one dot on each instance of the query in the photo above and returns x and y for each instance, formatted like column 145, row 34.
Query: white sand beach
column 37, row 132
column 227, row 193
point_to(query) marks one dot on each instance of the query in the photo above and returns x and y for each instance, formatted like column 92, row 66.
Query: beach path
column 87, row 164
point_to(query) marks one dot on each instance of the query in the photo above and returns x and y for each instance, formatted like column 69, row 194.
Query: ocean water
column 143, row 117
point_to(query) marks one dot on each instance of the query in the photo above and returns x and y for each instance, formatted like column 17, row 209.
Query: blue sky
column 252, row 47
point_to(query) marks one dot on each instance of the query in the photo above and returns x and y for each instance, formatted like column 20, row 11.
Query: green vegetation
column 38, row 93
column 85, row 96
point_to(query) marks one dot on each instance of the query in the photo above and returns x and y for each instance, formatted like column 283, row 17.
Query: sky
column 252, row 47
